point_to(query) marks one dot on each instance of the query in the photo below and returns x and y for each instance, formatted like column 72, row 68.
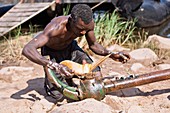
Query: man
column 57, row 41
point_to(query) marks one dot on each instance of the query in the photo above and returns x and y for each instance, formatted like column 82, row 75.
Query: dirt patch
column 24, row 92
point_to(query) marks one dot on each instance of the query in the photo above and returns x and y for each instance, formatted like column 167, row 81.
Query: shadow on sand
column 38, row 86
column 130, row 92
column 33, row 85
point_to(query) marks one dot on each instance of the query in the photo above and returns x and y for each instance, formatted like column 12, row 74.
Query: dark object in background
column 148, row 12
column 4, row 8
column 127, row 7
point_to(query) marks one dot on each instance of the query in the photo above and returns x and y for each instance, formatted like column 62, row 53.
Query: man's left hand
column 120, row 56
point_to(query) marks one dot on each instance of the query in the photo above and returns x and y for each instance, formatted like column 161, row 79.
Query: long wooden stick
column 98, row 4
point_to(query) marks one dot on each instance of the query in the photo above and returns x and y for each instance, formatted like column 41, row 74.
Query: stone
column 84, row 106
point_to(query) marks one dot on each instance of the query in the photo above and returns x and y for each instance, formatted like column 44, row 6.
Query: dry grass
column 11, row 50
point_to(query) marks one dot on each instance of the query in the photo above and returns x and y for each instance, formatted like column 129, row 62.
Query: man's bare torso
column 59, row 35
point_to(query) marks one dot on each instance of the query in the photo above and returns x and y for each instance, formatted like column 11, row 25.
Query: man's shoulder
column 57, row 25
column 60, row 19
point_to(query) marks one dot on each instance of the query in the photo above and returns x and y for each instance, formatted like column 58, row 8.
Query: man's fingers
column 84, row 61
column 128, row 56
column 123, row 56
column 68, row 74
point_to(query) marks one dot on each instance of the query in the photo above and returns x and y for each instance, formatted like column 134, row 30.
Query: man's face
column 79, row 28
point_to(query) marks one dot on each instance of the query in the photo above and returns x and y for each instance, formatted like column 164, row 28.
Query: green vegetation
column 111, row 29
column 34, row 29
column 66, row 10
column 13, row 43
column 14, row 33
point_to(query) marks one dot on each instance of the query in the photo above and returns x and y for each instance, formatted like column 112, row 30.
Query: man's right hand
column 61, row 69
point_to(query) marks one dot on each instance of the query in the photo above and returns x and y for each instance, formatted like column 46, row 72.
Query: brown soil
column 22, row 94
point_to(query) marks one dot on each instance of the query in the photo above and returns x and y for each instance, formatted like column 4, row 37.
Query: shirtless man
column 57, row 41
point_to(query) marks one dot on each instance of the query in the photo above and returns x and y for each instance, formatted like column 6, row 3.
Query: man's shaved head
column 82, row 11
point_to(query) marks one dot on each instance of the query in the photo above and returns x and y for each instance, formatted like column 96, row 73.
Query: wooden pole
column 98, row 4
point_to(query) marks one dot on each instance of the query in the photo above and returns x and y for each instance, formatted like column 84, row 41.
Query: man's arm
column 100, row 50
column 31, row 52
column 30, row 49
column 94, row 45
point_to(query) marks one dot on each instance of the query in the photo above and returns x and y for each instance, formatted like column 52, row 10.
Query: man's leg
column 51, row 89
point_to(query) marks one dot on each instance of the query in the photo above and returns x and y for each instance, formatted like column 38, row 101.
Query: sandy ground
column 21, row 91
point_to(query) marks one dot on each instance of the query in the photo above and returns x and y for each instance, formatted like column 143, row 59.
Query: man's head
column 82, row 11
column 81, row 19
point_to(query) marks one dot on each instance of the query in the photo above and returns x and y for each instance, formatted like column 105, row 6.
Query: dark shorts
column 73, row 52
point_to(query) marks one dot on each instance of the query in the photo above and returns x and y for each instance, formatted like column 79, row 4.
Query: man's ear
column 70, row 18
